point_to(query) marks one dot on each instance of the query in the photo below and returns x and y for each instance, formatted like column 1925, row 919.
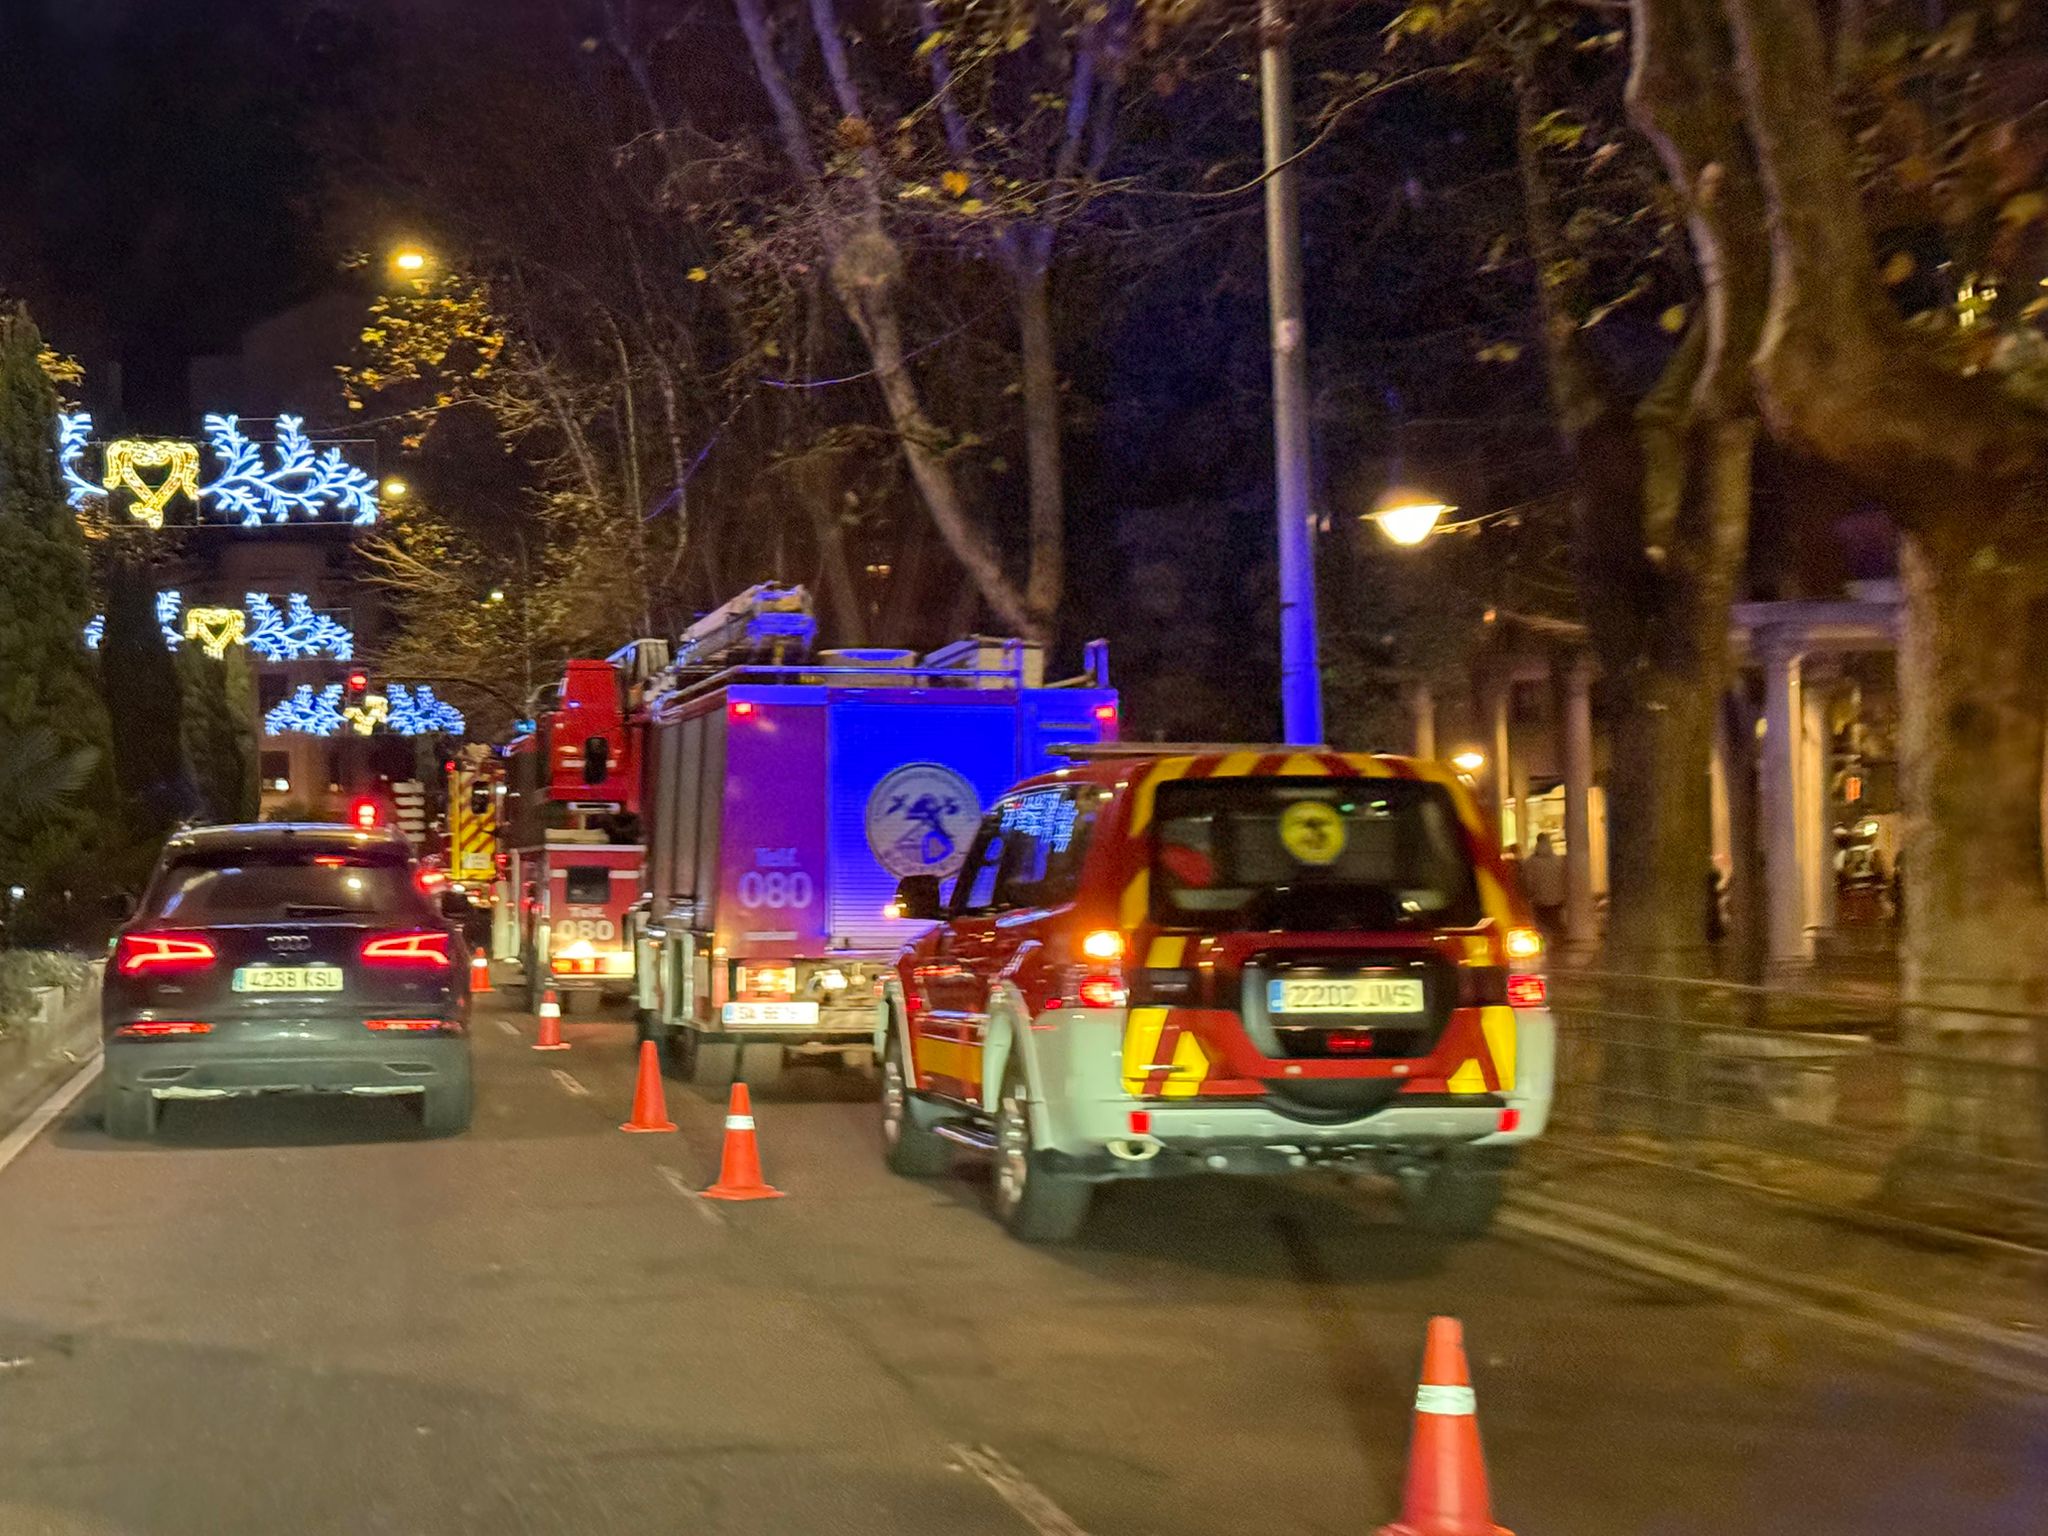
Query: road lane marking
column 673, row 1177
column 59, row 1100
column 509, row 1027
column 1017, row 1491
column 569, row 1083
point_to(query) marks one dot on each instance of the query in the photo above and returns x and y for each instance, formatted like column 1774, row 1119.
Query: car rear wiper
column 313, row 909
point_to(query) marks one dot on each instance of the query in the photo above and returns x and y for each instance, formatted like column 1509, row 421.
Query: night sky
column 157, row 187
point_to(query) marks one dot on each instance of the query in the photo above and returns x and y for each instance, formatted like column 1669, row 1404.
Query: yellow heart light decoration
column 216, row 629
column 368, row 715
column 127, row 455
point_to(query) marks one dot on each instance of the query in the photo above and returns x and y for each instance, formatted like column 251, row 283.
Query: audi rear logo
column 289, row 943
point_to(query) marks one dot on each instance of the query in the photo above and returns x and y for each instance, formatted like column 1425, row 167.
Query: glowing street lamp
column 1408, row 516
column 409, row 259
column 497, row 594
column 395, row 489
column 1470, row 760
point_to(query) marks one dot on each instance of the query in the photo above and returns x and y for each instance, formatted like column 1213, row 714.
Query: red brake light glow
column 1101, row 992
column 1510, row 1119
column 1527, row 992
column 1105, row 714
column 163, row 953
column 157, row 1029
column 426, row 949
column 1353, row 1042
column 742, row 708
column 363, row 815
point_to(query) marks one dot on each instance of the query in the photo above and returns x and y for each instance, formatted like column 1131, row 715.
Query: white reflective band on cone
column 739, row 1122
column 1445, row 1400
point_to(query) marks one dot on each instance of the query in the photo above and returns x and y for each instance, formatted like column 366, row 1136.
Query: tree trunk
column 1976, row 921
column 1041, row 385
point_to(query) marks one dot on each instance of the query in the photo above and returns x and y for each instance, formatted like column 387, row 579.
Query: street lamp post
column 1301, row 692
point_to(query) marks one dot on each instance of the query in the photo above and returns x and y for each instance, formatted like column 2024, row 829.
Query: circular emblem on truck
column 921, row 818
column 1312, row 832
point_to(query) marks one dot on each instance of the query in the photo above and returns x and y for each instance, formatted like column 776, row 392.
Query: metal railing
column 1933, row 1115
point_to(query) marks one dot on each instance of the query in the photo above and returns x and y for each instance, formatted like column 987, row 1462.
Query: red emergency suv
column 1176, row 960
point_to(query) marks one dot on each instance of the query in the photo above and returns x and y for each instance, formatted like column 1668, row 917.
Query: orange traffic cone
column 550, row 1024
column 739, row 1167
column 480, row 974
column 650, row 1110
column 1446, row 1491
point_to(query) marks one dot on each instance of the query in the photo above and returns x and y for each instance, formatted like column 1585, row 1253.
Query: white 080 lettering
column 775, row 889
column 587, row 928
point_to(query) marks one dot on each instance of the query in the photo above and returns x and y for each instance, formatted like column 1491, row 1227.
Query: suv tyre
column 1456, row 1194
column 1036, row 1204
column 908, row 1147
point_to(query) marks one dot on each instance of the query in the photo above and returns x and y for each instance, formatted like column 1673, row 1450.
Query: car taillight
column 138, row 954
column 1100, row 992
column 1527, row 992
column 157, row 1029
column 422, row 949
column 407, row 1026
column 1356, row 1042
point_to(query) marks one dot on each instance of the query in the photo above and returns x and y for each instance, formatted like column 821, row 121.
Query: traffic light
column 358, row 684
column 365, row 814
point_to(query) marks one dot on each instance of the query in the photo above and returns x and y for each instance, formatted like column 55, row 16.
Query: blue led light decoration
column 417, row 712
column 298, row 632
column 168, row 606
column 74, row 430
column 95, row 631
column 303, row 484
column 306, row 712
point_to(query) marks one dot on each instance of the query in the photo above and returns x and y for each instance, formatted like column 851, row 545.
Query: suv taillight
column 1527, row 992
column 420, row 949
column 159, row 954
column 1096, row 978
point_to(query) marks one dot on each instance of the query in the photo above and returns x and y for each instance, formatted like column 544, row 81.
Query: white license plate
column 1346, row 994
column 770, row 1013
column 288, row 978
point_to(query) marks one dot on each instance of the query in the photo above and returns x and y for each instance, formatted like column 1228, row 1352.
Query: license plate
column 770, row 1013
column 288, row 978
column 1346, row 994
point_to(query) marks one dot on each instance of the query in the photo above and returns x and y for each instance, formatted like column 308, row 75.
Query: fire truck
column 784, row 794
column 573, row 860
column 475, row 787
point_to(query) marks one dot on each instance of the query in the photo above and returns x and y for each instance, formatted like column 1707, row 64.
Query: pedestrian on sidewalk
column 1543, row 880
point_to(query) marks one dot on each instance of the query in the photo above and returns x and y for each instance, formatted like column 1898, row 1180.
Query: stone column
column 1518, row 792
column 1422, row 719
column 1498, row 703
column 1789, row 943
column 1816, row 842
column 1575, row 733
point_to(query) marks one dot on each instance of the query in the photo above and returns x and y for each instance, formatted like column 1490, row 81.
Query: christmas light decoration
column 305, row 484
column 215, row 629
column 95, row 631
column 126, row 455
column 400, row 710
column 74, row 430
column 298, row 632
column 302, row 484
column 416, row 712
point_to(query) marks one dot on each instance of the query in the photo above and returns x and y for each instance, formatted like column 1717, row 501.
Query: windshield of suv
column 1309, row 854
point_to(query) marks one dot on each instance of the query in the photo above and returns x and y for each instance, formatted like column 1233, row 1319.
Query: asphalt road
column 291, row 1319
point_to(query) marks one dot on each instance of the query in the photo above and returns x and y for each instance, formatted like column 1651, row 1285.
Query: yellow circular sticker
column 1312, row 831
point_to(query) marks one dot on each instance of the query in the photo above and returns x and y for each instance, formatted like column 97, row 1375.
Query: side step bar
column 967, row 1135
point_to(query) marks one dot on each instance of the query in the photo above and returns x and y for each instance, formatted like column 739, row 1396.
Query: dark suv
column 285, row 958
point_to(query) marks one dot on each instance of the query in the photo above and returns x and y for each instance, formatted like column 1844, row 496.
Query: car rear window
column 590, row 885
column 1325, row 855
column 278, row 891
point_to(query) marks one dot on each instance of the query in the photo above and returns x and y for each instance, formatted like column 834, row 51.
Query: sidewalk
column 1905, row 1275
column 39, row 1053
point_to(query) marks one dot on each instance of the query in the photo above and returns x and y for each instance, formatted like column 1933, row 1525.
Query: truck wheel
column 907, row 1147
column 1035, row 1203
column 128, row 1114
column 1456, row 1193
column 717, row 1063
column 761, row 1065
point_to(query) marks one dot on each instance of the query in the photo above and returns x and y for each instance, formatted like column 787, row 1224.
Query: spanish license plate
column 1346, row 994
column 770, row 1013
column 288, row 978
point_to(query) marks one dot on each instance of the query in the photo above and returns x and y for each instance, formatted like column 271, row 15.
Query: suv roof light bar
column 1088, row 749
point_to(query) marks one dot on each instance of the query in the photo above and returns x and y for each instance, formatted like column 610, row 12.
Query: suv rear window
column 1326, row 855
column 278, row 891
column 590, row 885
